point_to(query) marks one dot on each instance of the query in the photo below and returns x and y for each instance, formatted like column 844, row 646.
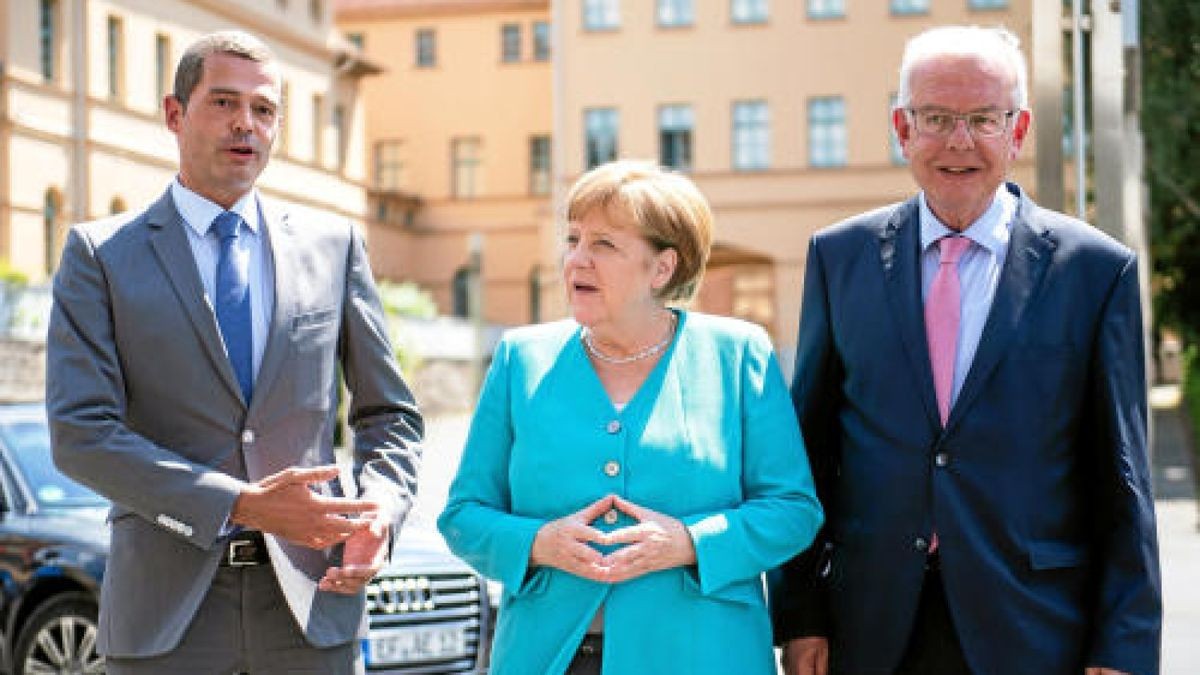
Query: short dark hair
column 234, row 42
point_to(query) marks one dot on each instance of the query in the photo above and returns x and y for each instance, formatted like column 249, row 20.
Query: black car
column 429, row 612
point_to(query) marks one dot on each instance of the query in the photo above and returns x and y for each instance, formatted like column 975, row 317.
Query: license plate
column 414, row 644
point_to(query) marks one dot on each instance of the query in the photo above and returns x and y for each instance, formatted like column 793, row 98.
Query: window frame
column 601, row 15
column 676, row 129
column 751, row 137
column 510, row 42
column 612, row 118
column 755, row 12
column 425, row 48
column 825, row 131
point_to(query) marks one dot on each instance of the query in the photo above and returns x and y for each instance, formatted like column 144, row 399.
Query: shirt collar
column 991, row 230
column 199, row 212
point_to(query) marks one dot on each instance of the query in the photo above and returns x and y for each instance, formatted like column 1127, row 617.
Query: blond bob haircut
column 664, row 207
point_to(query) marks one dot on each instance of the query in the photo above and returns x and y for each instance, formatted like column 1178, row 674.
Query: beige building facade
column 778, row 110
column 458, row 133
column 81, row 127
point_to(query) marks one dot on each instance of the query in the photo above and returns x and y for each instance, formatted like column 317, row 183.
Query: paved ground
column 1175, row 493
column 1178, row 535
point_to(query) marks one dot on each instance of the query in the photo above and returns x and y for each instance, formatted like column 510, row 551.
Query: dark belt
column 592, row 645
column 244, row 549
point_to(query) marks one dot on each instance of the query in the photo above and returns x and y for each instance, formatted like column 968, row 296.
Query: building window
column 751, row 135
column 601, row 14
column 316, row 10
column 465, row 162
column 339, row 131
column 48, row 38
column 910, row 6
column 895, row 150
column 162, row 65
column 541, row 41
column 600, row 127
column 826, row 9
column 510, row 42
column 827, row 131
column 748, row 11
column 675, row 136
column 389, row 165
column 539, row 165
column 116, row 46
column 318, row 128
column 426, row 48
column 460, row 292
column 988, row 4
column 672, row 13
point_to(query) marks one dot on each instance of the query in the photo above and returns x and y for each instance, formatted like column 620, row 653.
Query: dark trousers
column 244, row 626
column 933, row 648
column 587, row 657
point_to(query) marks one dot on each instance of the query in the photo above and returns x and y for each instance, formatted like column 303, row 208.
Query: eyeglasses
column 941, row 122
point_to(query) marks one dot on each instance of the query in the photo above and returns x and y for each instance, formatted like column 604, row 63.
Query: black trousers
column 587, row 657
column 933, row 648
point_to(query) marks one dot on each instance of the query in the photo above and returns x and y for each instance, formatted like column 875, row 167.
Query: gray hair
column 233, row 42
column 994, row 45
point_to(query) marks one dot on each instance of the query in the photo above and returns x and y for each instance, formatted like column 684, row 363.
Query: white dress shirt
column 199, row 212
column 978, row 271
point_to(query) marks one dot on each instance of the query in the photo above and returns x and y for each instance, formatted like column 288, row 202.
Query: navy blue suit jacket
column 1038, row 485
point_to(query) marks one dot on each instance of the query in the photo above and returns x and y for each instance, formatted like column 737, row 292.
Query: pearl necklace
column 638, row 356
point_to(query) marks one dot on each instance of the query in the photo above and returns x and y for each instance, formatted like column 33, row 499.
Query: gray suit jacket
column 144, row 408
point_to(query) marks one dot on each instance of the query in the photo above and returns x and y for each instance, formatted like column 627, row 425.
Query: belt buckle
column 235, row 548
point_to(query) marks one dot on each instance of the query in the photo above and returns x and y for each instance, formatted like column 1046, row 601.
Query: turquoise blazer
column 710, row 438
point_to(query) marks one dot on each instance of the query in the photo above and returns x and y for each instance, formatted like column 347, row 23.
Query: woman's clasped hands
column 654, row 542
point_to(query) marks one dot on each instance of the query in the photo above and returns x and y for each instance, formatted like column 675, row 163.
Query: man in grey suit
column 193, row 366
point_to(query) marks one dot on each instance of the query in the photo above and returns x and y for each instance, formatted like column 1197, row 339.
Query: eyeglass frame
column 965, row 117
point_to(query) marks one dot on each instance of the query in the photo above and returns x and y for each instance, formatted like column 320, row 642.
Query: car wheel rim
column 67, row 646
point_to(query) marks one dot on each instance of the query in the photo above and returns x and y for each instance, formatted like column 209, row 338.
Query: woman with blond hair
column 631, row 472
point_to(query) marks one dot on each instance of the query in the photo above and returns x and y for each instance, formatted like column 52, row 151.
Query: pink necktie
column 942, row 314
column 943, row 311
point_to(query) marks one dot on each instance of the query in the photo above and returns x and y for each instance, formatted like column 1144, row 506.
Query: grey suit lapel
column 899, row 254
column 170, row 244
column 280, row 237
column 1029, row 254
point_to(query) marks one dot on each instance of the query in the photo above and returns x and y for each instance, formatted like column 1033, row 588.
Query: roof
column 383, row 9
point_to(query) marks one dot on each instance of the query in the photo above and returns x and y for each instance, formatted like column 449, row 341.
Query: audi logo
column 400, row 595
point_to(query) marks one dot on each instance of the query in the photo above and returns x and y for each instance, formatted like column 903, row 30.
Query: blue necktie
column 233, row 300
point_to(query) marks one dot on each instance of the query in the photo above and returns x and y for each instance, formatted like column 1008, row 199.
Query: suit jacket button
column 613, row 426
column 941, row 459
column 921, row 544
column 247, row 437
column 612, row 468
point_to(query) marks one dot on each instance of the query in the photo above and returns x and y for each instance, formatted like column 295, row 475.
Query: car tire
column 60, row 636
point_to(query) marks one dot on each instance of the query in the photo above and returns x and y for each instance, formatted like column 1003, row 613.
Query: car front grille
column 427, row 600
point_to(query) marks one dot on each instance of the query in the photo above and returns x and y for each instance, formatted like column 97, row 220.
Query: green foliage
column 1171, row 123
column 10, row 276
column 406, row 300
column 1191, row 400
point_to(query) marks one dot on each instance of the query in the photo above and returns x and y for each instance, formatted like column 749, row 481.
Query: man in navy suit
column 970, row 383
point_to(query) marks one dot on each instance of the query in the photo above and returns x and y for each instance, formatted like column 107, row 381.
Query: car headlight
column 494, row 590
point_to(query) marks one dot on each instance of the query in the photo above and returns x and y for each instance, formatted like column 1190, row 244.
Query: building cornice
column 369, row 10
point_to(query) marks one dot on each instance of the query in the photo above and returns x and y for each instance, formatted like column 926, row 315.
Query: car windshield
column 29, row 444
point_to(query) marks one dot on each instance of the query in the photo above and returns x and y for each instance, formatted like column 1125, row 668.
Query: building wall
column 118, row 144
column 468, row 93
column 785, row 61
